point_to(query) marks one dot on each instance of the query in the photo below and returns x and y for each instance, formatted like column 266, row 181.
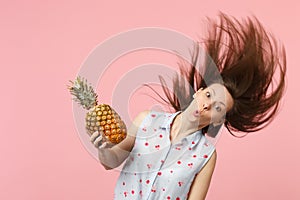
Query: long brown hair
column 248, row 59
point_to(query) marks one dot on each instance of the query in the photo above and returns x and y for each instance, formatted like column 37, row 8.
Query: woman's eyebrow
column 213, row 91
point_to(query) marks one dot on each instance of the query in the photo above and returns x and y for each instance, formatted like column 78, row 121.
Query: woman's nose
column 206, row 106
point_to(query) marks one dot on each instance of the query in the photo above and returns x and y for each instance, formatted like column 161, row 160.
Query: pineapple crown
column 83, row 93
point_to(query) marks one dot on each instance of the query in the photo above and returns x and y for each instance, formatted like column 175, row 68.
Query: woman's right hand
column 99, row 141
column 112, row 155
column 105, row 155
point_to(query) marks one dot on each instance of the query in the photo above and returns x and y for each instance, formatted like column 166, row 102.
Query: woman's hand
column 100, row 141
column 113, row 155
column 106, row 156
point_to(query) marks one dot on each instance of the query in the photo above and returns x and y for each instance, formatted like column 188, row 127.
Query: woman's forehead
column 217, row 86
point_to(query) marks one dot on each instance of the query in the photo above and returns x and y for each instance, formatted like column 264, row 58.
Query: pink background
column 42, row 46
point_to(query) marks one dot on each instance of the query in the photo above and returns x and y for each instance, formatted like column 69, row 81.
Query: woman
column 168, row 154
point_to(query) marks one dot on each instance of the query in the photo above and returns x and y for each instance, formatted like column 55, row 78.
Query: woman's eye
column 208, row 94
column 218, row 108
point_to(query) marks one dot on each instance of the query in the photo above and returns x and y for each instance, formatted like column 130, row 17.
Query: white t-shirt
column 157, row 169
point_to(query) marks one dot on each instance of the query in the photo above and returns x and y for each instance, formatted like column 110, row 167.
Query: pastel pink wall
column 43, row 44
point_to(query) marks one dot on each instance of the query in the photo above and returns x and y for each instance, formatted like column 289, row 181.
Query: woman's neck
column 182, row 127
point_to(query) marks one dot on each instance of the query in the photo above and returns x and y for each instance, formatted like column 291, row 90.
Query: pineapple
column 100, row 117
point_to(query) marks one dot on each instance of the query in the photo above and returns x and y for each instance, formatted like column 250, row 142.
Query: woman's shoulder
column 141, row 116
column 153, row 113
column 149, row 116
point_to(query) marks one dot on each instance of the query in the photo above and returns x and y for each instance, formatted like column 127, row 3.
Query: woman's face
column 210, row 105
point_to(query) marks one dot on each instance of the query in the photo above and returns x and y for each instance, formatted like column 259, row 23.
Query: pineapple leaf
column 83, row 93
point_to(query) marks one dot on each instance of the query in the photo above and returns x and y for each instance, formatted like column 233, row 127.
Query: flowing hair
column 252, row 65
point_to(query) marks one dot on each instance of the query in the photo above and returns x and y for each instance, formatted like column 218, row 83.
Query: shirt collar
column 169, row 119
column 194, row 138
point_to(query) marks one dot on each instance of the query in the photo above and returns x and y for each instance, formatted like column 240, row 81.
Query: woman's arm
column 202, row 180
column 113, row 157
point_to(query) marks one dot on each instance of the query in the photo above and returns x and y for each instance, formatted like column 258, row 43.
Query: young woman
column 167, row 154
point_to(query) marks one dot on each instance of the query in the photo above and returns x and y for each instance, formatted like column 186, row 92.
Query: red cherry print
column 141, row 192
column 123, row 183
column 162, row 161
column 171, row 171
column 168, row 197
column 155, row 129
column 146, row 143
column 180, row 183
column 157, row 146
column 132, row 191
column 147, row 181
column 149, row 166
column 125, row 194
column 160, row 135
column 205, row 156
column 190, row 165
column 139, row 154
column 194, row 156
column 144, row 129
column 190, row 148
column 135, row 174
column 159, row 173
column 163, row 189
column 178, row 148
column 153, row 115
column 153, row 190
column 193, row 142
column 206, row 144
column 140, row 180
column 177, row 198
column 178, row 162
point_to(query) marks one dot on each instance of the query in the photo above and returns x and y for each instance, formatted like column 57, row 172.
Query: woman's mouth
column 196, row 113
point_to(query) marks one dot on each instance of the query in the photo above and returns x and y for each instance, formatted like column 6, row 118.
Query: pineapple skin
column 104, row 119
